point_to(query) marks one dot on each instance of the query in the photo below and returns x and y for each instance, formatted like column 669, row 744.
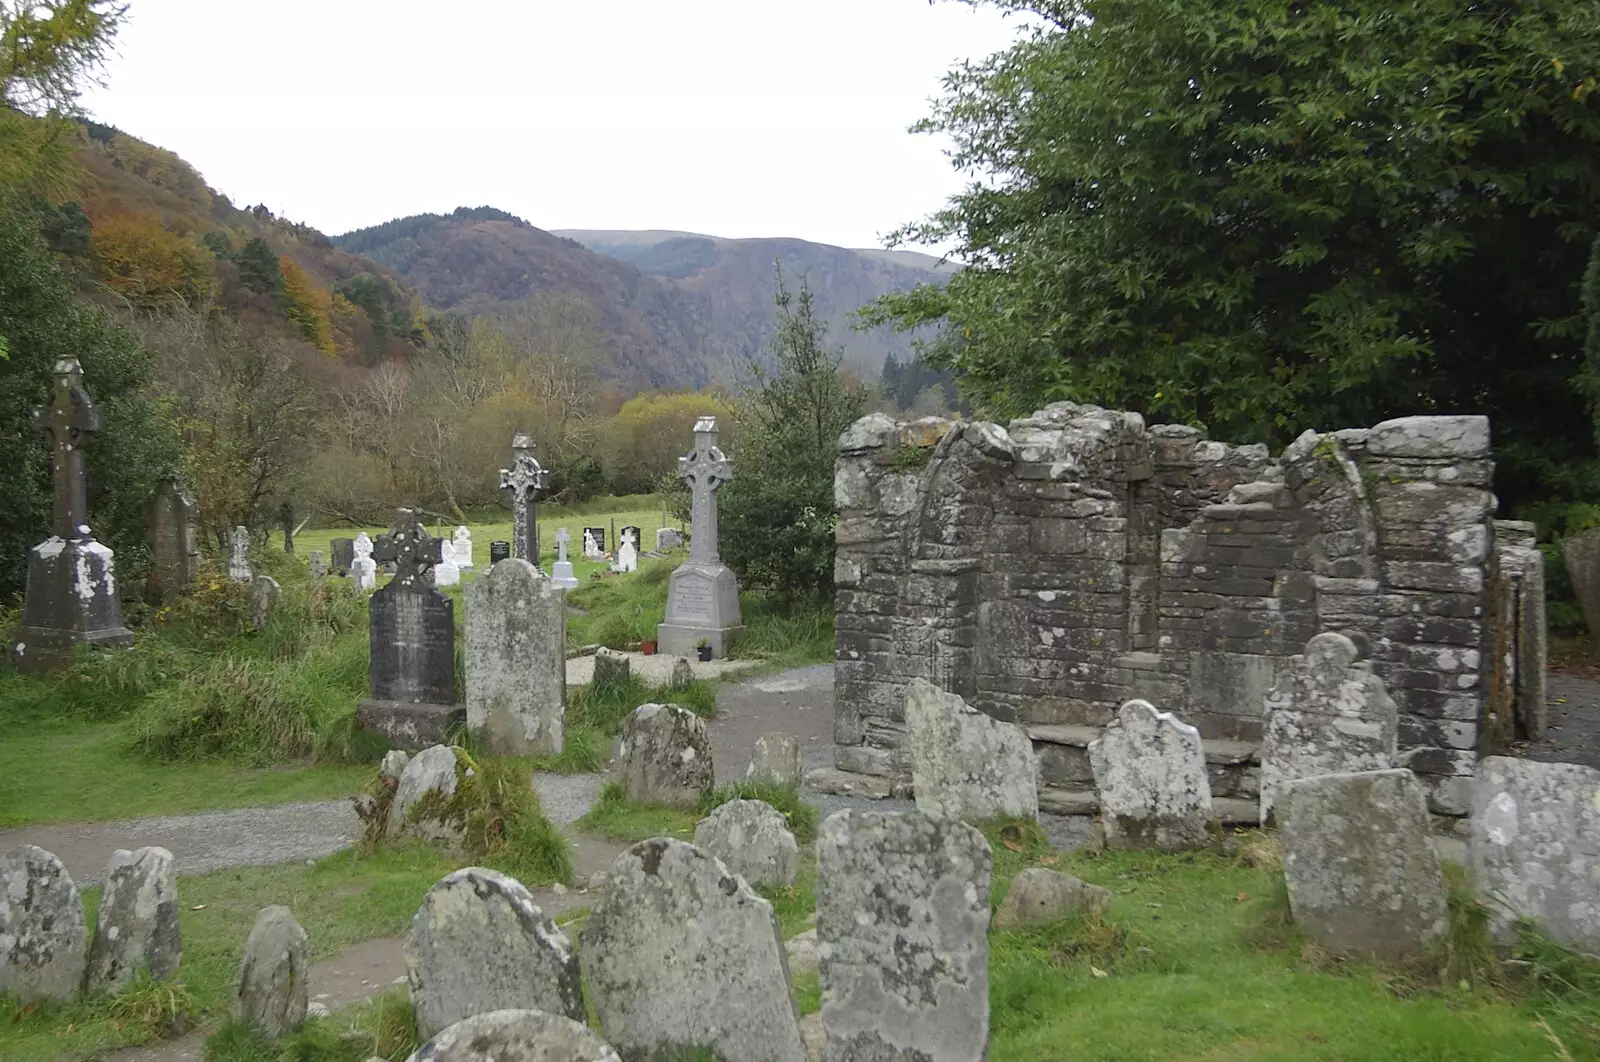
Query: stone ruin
column 1052, row 569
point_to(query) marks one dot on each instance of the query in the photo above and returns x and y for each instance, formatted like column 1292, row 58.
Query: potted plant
column 703, row 649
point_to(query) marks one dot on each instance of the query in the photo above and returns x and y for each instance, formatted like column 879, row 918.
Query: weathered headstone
column 264, row 594
column 344, row 555
column 446, row 573
column 317, row 565
column 364, row 570
column 516, row 1036
column 679, row 952
column 239, row 569
column 516, row 665
column 1362, row 874
column 752, row 838
column 594, row 543
column 462, row 541
column 136, row 930
column 173, row 536
column 1150, row 769
column 393, row 765
column 562, row 572
column 702, row 593
column 42, row 929
column 479, row 943
column 434, row 771
column 1328, row 715
column 776, row 759
column 499, row 550
column 627, row 553
column 682, row 676
column 666, row 756
column 1039, row 894
column 668, row 538
column 1535, row 846
column 611, row 668
column 902, row 927
column 275, row 974
column 363, row 545
column 1581, row 552
column 71, row 596
column 413, row 637
column 526, row 479
column 964, row 764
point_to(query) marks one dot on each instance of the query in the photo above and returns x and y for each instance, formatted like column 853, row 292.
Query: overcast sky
column 728, row 117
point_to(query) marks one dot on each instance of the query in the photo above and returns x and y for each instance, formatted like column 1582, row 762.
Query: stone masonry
column 1049, row 570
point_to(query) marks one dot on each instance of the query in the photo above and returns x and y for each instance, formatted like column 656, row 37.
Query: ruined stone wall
column 1049, row 570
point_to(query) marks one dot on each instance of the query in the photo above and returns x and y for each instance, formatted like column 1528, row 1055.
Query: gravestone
column 594, row 543
column 563, row 577
column 42, row 928
column 499, row 550
column 702, row 593
column 479, row 943
column 363, row 545
column 462, row 541
column 434, row 770
column 317, row 565
column 1581, row 552
column 611, row 667
column 1328, row 715
column 275, row 974
column 964, row 764
column 752, row 839
column 286, row 520
column 627, row 552
column 1535, row 846
column 516, row 661
column 516, row 1036
column 1039, row 895
column 364, row 570
column 1362, row 874
column 173, row 536
column 1150, row 769
column 682, row 676
column 526, row 479
column 666, row 756
column 668, row 538
column 679, row 952
column 71, row 596
column 239, row 558
column 136, row 929
column 776, row 759
column 902, row 928
column 446, row 573
column 344, row 555
column 413, row 638
column 264, row 594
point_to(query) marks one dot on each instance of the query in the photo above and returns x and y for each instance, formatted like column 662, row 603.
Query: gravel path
column 656, row 667
column 1573, row 735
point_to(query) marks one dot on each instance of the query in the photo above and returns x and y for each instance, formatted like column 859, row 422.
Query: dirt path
column 1573, row 735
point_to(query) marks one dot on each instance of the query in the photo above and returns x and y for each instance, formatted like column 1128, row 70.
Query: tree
column 149, row 266
column 777, row 516
column 642, row 442
column 259, row 269
column 1263, row 217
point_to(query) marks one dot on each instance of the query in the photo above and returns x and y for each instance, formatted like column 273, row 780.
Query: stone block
column 1040, row 895
column 611, row 667
column 1363, row 877
column 964, row 764
column 776, row 759
column 428, row 778
column 408, row 726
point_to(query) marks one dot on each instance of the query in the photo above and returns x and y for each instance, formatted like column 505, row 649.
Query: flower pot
column 704, row 652
column 647, row 648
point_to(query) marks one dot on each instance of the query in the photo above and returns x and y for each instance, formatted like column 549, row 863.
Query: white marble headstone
column 562, row 575
column 627, row 554
column 446, row 572
column 463, row 546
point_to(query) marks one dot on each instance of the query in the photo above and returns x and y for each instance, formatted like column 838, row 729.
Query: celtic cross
column 526, row 479
column 70, row 417
column 411, row 549
column 705, row 469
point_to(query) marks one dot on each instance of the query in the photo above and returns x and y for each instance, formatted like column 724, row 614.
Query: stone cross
column 526, row 479
column 411, row 550
column 705, row 469
column 70, row 416
column 562, row 538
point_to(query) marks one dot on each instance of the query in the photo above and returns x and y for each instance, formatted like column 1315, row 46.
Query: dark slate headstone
column 413, row 643
column 599, row 536
column 344, row 555
column 498, row 551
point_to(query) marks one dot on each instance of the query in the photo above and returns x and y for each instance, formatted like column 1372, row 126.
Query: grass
column 341, row 901
column 617, row 818
column 382, row 1027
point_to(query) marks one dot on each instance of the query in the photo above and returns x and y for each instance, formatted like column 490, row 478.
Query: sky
column 734, row 118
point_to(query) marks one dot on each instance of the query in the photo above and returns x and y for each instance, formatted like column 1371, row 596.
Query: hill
column 677, row 309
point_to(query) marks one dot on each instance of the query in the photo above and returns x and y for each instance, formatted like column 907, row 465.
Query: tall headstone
column 136, row 929
column 1150, row 769
column 526, row 479
column 702, row 594
column 627, row 553
column 446, row 572
column 412, row 665
column 275, row 974
column 264, row 594
column 344, row 555
column 72, row 589
column 286, row 518
column 1328, row 715
column 463, row 545
column 173, row 535
column 42, row 928
column 239, row 559
column 316, row 565
column 903, row 924
column 516, row 661
column 563, row 576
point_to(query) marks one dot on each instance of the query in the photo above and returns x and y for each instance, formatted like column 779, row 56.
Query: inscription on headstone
column 499, row 550
column 239, row 560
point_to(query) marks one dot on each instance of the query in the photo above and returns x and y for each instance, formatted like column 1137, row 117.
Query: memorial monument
column 702, row 594
column 526, row 479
